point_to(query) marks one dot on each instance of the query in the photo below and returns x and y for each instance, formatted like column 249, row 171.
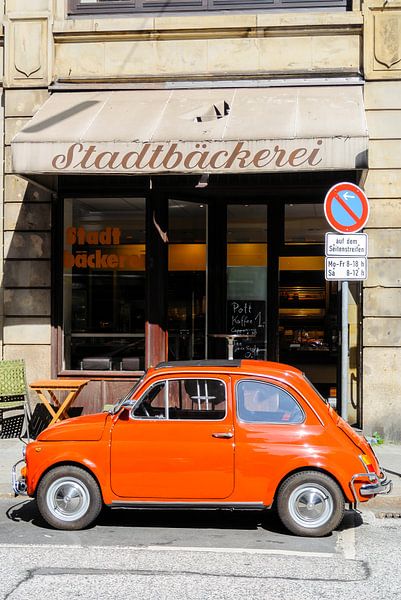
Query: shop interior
column 244, row 257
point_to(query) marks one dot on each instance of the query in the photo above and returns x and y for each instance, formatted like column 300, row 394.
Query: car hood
column 86, row 428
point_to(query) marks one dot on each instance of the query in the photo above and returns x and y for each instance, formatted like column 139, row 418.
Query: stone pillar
column 382, row 290
column 27, row 207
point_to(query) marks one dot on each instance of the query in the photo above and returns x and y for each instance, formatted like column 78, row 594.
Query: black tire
column 69, row 498
column 310, row 504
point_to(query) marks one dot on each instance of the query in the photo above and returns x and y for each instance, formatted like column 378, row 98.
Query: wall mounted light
column 203, row 181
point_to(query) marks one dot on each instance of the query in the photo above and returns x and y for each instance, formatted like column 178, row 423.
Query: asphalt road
column 144, row 528
column 168, row 555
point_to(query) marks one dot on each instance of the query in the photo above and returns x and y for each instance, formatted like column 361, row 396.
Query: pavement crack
column 54, row 571
column 30, row 574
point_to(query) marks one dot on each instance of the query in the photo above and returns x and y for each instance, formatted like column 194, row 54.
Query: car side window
column 259, row 402
column 196, row 399
column 183, row 399
column 153, row 404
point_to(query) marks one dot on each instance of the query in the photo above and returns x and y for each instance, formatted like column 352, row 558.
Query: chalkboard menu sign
column 247, row 317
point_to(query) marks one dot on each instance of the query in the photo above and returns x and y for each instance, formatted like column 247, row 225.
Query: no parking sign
column 346, row 207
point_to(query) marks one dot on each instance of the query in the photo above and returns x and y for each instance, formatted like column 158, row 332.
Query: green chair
column 15, row 412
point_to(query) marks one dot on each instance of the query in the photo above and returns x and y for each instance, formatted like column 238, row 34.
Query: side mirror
column 115, row 408
column 125, row 412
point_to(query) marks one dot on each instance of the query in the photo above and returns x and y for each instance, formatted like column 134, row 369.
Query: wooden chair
column 15, row 410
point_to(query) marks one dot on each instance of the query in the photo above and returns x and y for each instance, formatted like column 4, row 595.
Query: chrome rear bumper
column 376, row 485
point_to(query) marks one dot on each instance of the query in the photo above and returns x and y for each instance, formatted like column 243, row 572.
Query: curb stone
column 387, row 512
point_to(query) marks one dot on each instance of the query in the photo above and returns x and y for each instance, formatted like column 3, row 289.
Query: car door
column 177, row 442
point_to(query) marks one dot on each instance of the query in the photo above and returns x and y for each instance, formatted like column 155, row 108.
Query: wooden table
column 51, row 386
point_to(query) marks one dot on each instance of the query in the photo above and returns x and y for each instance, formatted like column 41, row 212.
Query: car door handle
column 226, row 434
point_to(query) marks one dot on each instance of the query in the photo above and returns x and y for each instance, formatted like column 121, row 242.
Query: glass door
column 247, row 279
column 308, row 303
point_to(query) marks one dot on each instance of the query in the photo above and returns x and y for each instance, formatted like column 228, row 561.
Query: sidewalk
column 10, row 453
column 389, row 456
column 382, row 506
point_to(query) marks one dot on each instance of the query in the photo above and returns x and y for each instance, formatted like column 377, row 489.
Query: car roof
column 257, row 367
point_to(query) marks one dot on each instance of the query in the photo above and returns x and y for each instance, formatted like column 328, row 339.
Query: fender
column 93, row 456
column 315, row 464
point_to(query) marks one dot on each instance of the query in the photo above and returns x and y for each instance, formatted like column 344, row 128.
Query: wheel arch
column 314, row 469
column 68, row 463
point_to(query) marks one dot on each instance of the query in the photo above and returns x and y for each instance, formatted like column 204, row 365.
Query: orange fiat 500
column 210, row 434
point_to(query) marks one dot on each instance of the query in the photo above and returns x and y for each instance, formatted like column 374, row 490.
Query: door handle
column 227, row 435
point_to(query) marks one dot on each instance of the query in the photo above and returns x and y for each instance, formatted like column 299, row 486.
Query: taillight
column 367, row 463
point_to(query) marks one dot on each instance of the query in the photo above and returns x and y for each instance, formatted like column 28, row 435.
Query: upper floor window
column 163, row 6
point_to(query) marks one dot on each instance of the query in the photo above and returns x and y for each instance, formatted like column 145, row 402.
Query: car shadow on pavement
column 272, row 523
column 222, row 519
column 26, row 511
column 182, row 519
column 207, row 519
column 352, row 519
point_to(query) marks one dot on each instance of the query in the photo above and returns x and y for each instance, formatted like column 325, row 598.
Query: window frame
column 143, row 396
column 59, row 335
column 166, row 401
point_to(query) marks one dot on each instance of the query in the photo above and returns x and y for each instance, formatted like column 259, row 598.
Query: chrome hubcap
column 311, row 505
column 68, row 499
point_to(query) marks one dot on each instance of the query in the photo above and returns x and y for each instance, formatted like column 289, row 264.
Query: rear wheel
column 310, row 503
column 69, row 498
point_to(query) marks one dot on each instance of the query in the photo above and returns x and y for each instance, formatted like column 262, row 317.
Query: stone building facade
column 54, row 46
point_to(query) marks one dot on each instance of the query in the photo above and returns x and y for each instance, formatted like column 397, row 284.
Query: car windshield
column 126, row 400
column 325, row 400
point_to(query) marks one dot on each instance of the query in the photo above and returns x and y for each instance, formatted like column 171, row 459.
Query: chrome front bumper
column 18, row 483
column 376, row 485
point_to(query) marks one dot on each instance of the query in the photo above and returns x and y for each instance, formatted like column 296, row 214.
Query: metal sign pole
column 344, row 350
column 346, row 208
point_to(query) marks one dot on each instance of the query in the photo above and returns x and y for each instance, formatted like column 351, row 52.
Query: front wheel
column 69, row 498
column 310, row 504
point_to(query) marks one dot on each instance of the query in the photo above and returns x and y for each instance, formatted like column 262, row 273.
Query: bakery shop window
column 104, row 284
